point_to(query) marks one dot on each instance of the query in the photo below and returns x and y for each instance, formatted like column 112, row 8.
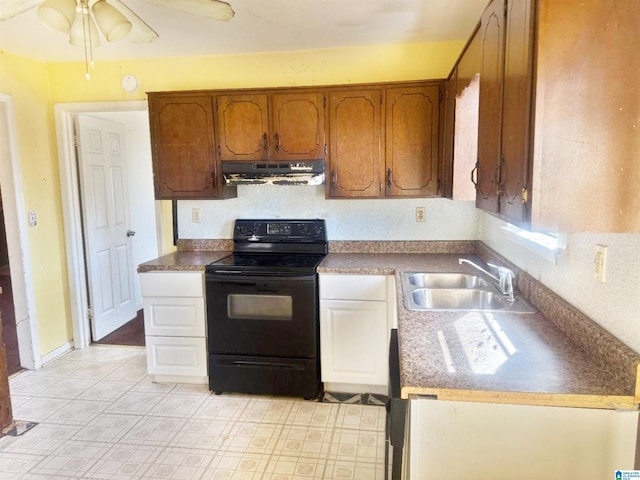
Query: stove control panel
column 272, row 231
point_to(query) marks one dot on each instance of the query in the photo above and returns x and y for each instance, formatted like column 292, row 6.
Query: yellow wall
column 36, row 87
column 313, row 67
column 28, row 83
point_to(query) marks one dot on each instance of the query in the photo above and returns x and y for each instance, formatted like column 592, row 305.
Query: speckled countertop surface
column 493, row 357
column 553, row 357
column 182, row 261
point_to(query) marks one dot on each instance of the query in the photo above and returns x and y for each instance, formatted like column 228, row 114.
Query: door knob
column 131, row 233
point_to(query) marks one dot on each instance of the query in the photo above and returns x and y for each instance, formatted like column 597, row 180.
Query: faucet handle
column 505, row 281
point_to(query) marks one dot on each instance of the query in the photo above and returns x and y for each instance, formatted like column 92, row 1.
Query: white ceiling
column 259, row 26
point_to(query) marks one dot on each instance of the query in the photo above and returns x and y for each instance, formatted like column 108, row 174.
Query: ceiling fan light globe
column 57, row 15
column 77, row 35
column 113, row 24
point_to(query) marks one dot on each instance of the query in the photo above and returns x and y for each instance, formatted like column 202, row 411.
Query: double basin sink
column 457, row 292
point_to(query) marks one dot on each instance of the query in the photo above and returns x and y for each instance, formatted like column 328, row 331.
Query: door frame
column 64, row 114
column 18, row 245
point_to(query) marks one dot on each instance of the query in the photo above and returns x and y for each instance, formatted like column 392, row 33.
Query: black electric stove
column 263, row 309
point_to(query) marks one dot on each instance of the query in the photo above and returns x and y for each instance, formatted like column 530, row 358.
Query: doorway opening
column 66, row 116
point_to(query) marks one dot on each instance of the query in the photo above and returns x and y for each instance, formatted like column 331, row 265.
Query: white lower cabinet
column 175, row 326
column 355, row 319
column 448, row 439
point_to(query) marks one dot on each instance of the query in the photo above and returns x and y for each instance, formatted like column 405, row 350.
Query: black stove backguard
column 263, row 309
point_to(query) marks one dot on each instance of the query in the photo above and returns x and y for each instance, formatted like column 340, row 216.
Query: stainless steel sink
column 457, row 292
column 446, row 280
column 456, row 299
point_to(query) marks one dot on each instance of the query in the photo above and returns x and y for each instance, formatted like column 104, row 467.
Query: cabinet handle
column 474, row 179
column 276, row 138
column 265, row 141
column 389, row 178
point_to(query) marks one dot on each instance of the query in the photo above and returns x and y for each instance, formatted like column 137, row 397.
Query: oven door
column 262, row 315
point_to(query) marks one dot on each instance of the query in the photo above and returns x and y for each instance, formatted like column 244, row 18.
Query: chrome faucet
column 504, row 279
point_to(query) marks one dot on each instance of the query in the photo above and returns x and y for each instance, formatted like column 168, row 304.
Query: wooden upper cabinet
column 516, row 110
column 586, row 163
column 491, row 37
column 355, row 133
column 297, row 126
column 183, row 147
column 279, row 126
column 243, row 127
column 412, row 118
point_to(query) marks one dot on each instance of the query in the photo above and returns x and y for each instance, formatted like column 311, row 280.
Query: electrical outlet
column 600, row 263
column 420, row 214
column 195, row 215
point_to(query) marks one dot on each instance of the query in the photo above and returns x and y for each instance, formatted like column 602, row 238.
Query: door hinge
column 324, row 101
column 326, row 149
column 440, row 97
column 90, row 313
column 76, row 140
column 525, row 195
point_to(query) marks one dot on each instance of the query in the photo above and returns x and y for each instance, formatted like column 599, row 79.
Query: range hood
column 309, row 172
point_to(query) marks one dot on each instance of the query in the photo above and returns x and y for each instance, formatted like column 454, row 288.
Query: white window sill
column 545, row 246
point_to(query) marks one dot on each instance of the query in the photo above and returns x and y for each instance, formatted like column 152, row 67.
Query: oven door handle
column 281, row 366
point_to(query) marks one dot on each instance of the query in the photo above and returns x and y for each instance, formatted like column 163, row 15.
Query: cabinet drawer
column 353, row 287
column 172, row 284
column 181, row 316
column 176, row 356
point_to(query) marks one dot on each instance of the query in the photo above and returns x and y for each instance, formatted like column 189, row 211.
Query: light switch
column 32, row 219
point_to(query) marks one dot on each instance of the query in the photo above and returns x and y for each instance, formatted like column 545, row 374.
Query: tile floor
column 100, row 417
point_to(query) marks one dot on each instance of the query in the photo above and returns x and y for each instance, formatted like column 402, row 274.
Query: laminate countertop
column 182, row 261
column 555, row 356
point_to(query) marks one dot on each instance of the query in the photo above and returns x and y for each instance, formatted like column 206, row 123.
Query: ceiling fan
column 113, row 18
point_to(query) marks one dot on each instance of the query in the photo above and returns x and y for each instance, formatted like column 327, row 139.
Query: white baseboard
column 58, row 352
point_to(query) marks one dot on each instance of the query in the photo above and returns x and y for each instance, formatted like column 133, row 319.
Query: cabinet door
column 298, row 126
column 353, row 342
column 183, row 146
column 411, row 131
column 491, row 34
column 243, row 127
column 355, row 144
column 516, row 109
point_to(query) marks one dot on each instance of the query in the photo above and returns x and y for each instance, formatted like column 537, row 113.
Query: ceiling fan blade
column 216, row 9
column 11, row 8
column 140, row 32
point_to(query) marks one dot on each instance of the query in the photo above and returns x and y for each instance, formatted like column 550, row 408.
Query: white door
column 106, row 223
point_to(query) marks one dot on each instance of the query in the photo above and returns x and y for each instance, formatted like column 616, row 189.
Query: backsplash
column 376, row 219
